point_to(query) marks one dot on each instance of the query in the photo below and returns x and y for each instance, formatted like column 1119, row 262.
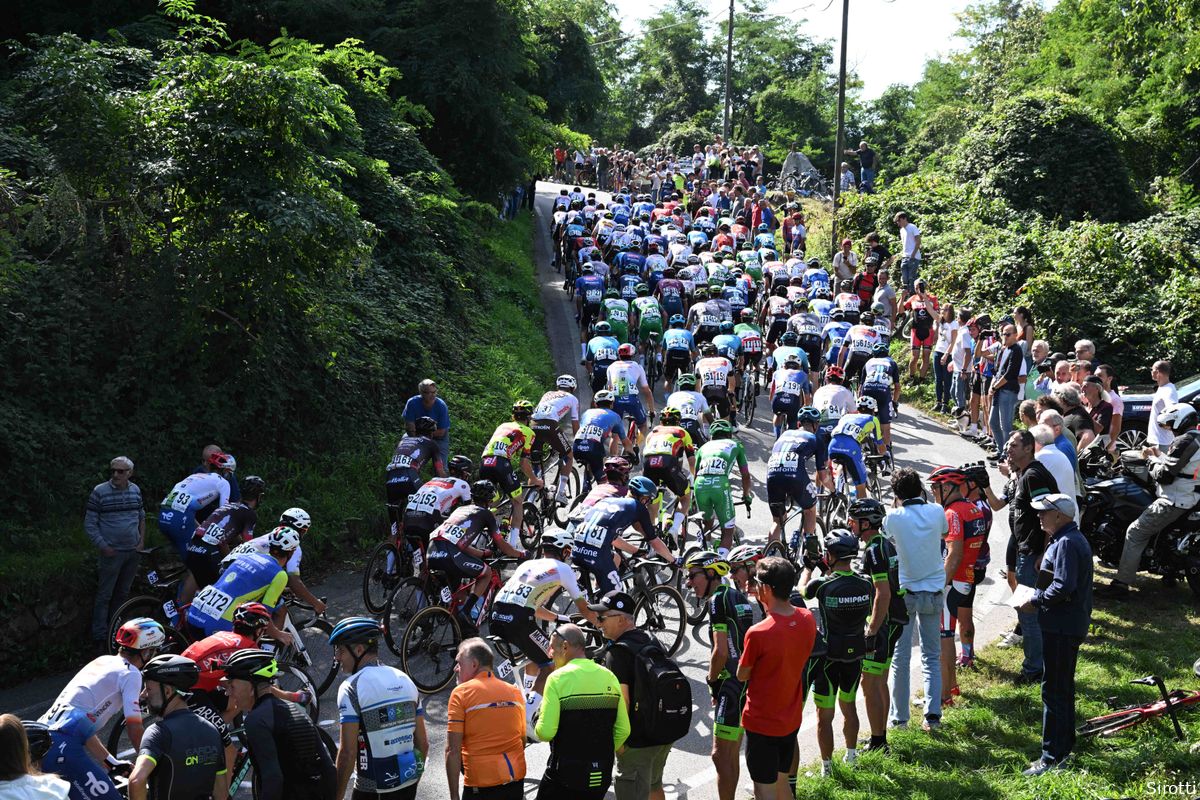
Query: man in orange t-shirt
column 774, row 655
column 485, row 729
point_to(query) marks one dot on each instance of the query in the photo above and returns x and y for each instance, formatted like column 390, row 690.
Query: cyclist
column 511, row 440
column 847, row 438
column 728, row 343
column 455, row 549
column 648, row 319
column 883, row 325
column 106, row 685
column 775, row 313
column 679, row 348
column 598, row 532
column 383, row 742
column 976, row 492
column 843, row 605
column 889, row 614
column 525, row 598
column 600, row 430
column 404, row 470
column 717, row 381
column 556, row 408
column 615, row 483
column 232, row 523
column 742, row 560
column 860, row 344
column 191, row 500
column 601, row 352
column 790, row 390
column 788, row 476
column 833, row 399
column 967, row 534
column 815, row 275
column 714, row 496
column 251, row 577
column 589, row 296
column 751, row 336
column 821, row 303
column 666, row 447
column 848, row 301
column 615, row 311
column 670, row 292
column 694, row 411
column 298, row 520
column 429, row 505
column 730, row 616
column 834, row 334
column 881, row 381
column 924, row 307
column 632, row 395
column 180, row 755
column 807, row 326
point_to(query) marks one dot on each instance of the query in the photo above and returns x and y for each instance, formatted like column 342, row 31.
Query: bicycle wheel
column 118, row 741
column 531, row 526
column 1109, row 723
column 428, row 648
column 777, row 549
column 409, row 597
column 836, row 511
column 660, row 612
column 695, row 607
column 146, row 606
column 292, row 678
column 324, row 667
column 380, row 576
column 750, row 406
column 559, row 512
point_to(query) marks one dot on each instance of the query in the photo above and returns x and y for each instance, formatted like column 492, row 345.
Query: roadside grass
column 994, row 729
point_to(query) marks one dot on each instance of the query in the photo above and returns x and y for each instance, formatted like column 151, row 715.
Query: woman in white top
column 845, row 261
column 943, row 348
column 19, row 778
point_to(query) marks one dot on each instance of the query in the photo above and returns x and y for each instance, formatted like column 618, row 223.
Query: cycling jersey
column 105, row 685
column 821, row 308
column 536, row 581
column 968, row 525
column 781, row 354
column 859, row 427
column 668, row 440
column 210, row 653
column 805, row 323
column 188, row 502
column 228, row 525
column 833, row 335
column 791, row 452
column 715, row 460
column 924, row 307
column 187, row 754
column 730, row 612
column 751, row 336
column 626, row 379
column 691, row 404
column 465, row 527
column 385, row 704
column 713, row 371
column 736, row 297
column 671, row 291
column 411, row 454
column 790, row 385
column 438, row 496
column 728, row 345
column 585, row 720
column 260, row 544
column 649, row 313
column 847, row 301
column 590, row 288
column 843, row 605
column 253, row 577
column 601, row 351
column 815, row 277
column 616, row 313
column 597, row 424
column 678, row 339
column 834, row 401
column 511, row 440
column 862, row 340
column 598, row 528
column 290, row 758
column 881, row 563
column 880, row 375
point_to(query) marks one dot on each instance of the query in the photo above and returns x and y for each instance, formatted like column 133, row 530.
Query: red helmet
column 835, row 371
column 626, row 351
column 951, row 475
column 252, row 615
column 617, row 467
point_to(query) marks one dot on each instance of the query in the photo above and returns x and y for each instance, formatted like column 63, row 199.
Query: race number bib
column 423, row 501
column 178, row 500
column 593, row 296
column 212, row 602
column 518, row 596
column 716, row 467
column 453, row 533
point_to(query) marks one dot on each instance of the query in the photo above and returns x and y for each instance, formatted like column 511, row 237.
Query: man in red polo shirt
column 774, row 655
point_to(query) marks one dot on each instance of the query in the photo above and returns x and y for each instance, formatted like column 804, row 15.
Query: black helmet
column 482, row 492
column 253, row 487
column 173, row 670
column 355, row 630
column 867, row 509
column 708, row 349
column 460, row 464
column 425, row 426
column 38, row 735
column 256, row 666
column 840, row 543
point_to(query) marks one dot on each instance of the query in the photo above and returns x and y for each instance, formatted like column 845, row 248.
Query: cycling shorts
column 959, row 594
column 178, row 527
column 675, row 362
column 667, row 470
column 647, row 327
column 400, row 490
column 882, row 647
column 69, row 758
column 692, row 426
column 778, row 328
column 548, row 432
column 518, row 626
column 718, row 398
column 499, row 470
column 832, row 681
column 782, row 487
column 854, row 364
column 587, row 316
column 847, row 452
column 981, row 384
column 788, row 405
column 925, row 342
column 883, row 399
column 599, row 377
column 768, row 756
column 727, row 709
column 752, row 359
column 591, row 455
column 810, row 343
column 455, row 564
column 603, row 570
column 203, row 560
column 715, row 500
column 705, row 333
column 631, row 406
column 419, row 524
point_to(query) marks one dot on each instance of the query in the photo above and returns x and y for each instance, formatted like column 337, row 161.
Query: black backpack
column 660, row 698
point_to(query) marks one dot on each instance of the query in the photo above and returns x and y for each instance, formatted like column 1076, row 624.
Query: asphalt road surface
column 918, row 441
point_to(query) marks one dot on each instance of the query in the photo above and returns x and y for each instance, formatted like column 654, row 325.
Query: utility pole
column 726, row 130
column 841, row 118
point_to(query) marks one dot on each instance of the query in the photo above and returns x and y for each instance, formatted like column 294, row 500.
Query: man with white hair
column 115, row 521
column 1085, row 350
column 1054, row 461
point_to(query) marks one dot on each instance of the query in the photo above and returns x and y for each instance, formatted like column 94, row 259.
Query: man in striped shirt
column 115, row 521
column 485, row 731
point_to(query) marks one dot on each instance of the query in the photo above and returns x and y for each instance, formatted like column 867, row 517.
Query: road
column 919, row 442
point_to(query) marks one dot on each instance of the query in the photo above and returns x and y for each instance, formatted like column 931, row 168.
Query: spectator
column 1085, row 350
column 1006, row 385
column 1165, row 395
column 960, row 362
column 1033, row 480
column 845, row 262
column 866, row 163
column 427, row 404
column 917, row 528
column 235, row 491
column 874, row 247
column 485, row 729
column 943, row 351
column 20, row 779
column 884, row 293
column 115, row 521
column 1037, row 379
column 1055, row 462
column 1027, row 411
column 910, row 251
column 1100, row 410
column 584, row 719
column 1109, row 376
column 1064, row 610
column 772, row 668
column 1075, row 416
column 1023, row 320
column 847, row 177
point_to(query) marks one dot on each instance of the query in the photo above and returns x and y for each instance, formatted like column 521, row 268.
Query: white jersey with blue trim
column 385, row 704
column 85, row 705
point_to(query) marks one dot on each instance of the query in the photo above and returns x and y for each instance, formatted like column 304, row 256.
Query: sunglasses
column 115, row 471
column 692, row 575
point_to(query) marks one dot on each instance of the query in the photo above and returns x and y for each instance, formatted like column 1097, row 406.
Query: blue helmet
column 355, row 630
column 641, row 486
column 678, row 319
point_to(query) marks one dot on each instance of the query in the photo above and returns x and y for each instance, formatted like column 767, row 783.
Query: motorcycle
column 1112, row 505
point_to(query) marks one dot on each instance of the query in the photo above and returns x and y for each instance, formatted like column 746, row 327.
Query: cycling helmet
column 603, row 396
column 726, row 327
column 789, row 339
column 460, row 465
column 846, row 286
column 1179, row 417
column 557, row 540
column 669, row 272
column 671, row 415
column 602, row 327
column 721, row 429
column 223, row 461
column 252, row 616
column 425, row 426
column 920, row 285
column 482, row 492
column 611, row 294
column 651, row 247
column 808, row 414
column 950, row 475
column 867, row 318
column 173, row 670
column 880, row 350
column 707, row 559
column 522, row 409
column 867, row 403
column 586, row 241
column 617, row 467
column 837, row 315
column 840, row 543
column 801, row 304
column 746, row 313
column 641, row 486
column 745, row 554
column 284, row 538
column 686, row 381
column 587, row 268
column 835, row 372
column 708, row 349
column 256, row 666
column 764, row 227
column 38, row 736
column 693, row 259
column 878, row 308
column 140, row 633
column 253, row 487
column 296, row 518
column 626, row 351
column 642, row 290
column 822, row 293
column 355, row 630
column 566, row 382
column 813, row 262
column 677, row 320
column 792, row 360
column 608, row 215
column 781, row 291
column 977, row 474
column 867, row 509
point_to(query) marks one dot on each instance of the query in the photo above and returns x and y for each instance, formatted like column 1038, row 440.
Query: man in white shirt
column 1166, row 395
column 845, row 261
column 1057, row 464
column 910, row 251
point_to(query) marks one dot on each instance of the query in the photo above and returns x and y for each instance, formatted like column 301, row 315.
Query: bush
column 679, row 138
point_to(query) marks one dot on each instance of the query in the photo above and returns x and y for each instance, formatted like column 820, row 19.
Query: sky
column 889, row 42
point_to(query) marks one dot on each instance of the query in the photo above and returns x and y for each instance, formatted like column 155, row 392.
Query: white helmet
column 296, row 518
column 559, row 540
column 285, row 538
column 1179, row 417
column 567, row 383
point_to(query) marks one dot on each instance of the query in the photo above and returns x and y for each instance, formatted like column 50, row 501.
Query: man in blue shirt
column 116, row 523
column 428, row 404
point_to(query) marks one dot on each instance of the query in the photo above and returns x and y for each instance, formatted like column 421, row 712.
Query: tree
column 675, row 66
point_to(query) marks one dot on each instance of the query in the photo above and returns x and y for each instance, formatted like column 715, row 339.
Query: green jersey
column 730, row 612
column 715, row 460
column 649, row 312
column 616, row 313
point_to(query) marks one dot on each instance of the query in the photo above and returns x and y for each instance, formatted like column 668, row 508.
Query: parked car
column 1137, row 409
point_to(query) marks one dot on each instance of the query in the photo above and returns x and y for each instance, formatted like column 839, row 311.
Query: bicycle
column 875, row 466
column 387, row 566
column 547, row 499
column 748, row 393
column 793, row 547
column 159, row 602
column 310, row 650
column 531, row 521
column 653, row 359
column 1131, row 715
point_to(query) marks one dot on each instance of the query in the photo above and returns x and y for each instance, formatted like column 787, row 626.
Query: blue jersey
column 602, row 350
column 697, row 239
column 816, row 277
column 628, row 284
column 604, row 522
column 644, row 207
column 833, row 335
column 629, row 257
column 764, row 240
column 597, row 423
column 791, row 452
column 821, row 308
column 591, row 289
column 620, row 214
column 856, row 428
column 880, row 375
column 736, row 297
column 783, row 352
column 252, row 578
column 575, row 230
column 791, row 381
column 728, row 345
column 657, row 239
column 678, row 339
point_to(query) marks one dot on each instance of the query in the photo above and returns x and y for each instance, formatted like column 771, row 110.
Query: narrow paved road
column 919, row 442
